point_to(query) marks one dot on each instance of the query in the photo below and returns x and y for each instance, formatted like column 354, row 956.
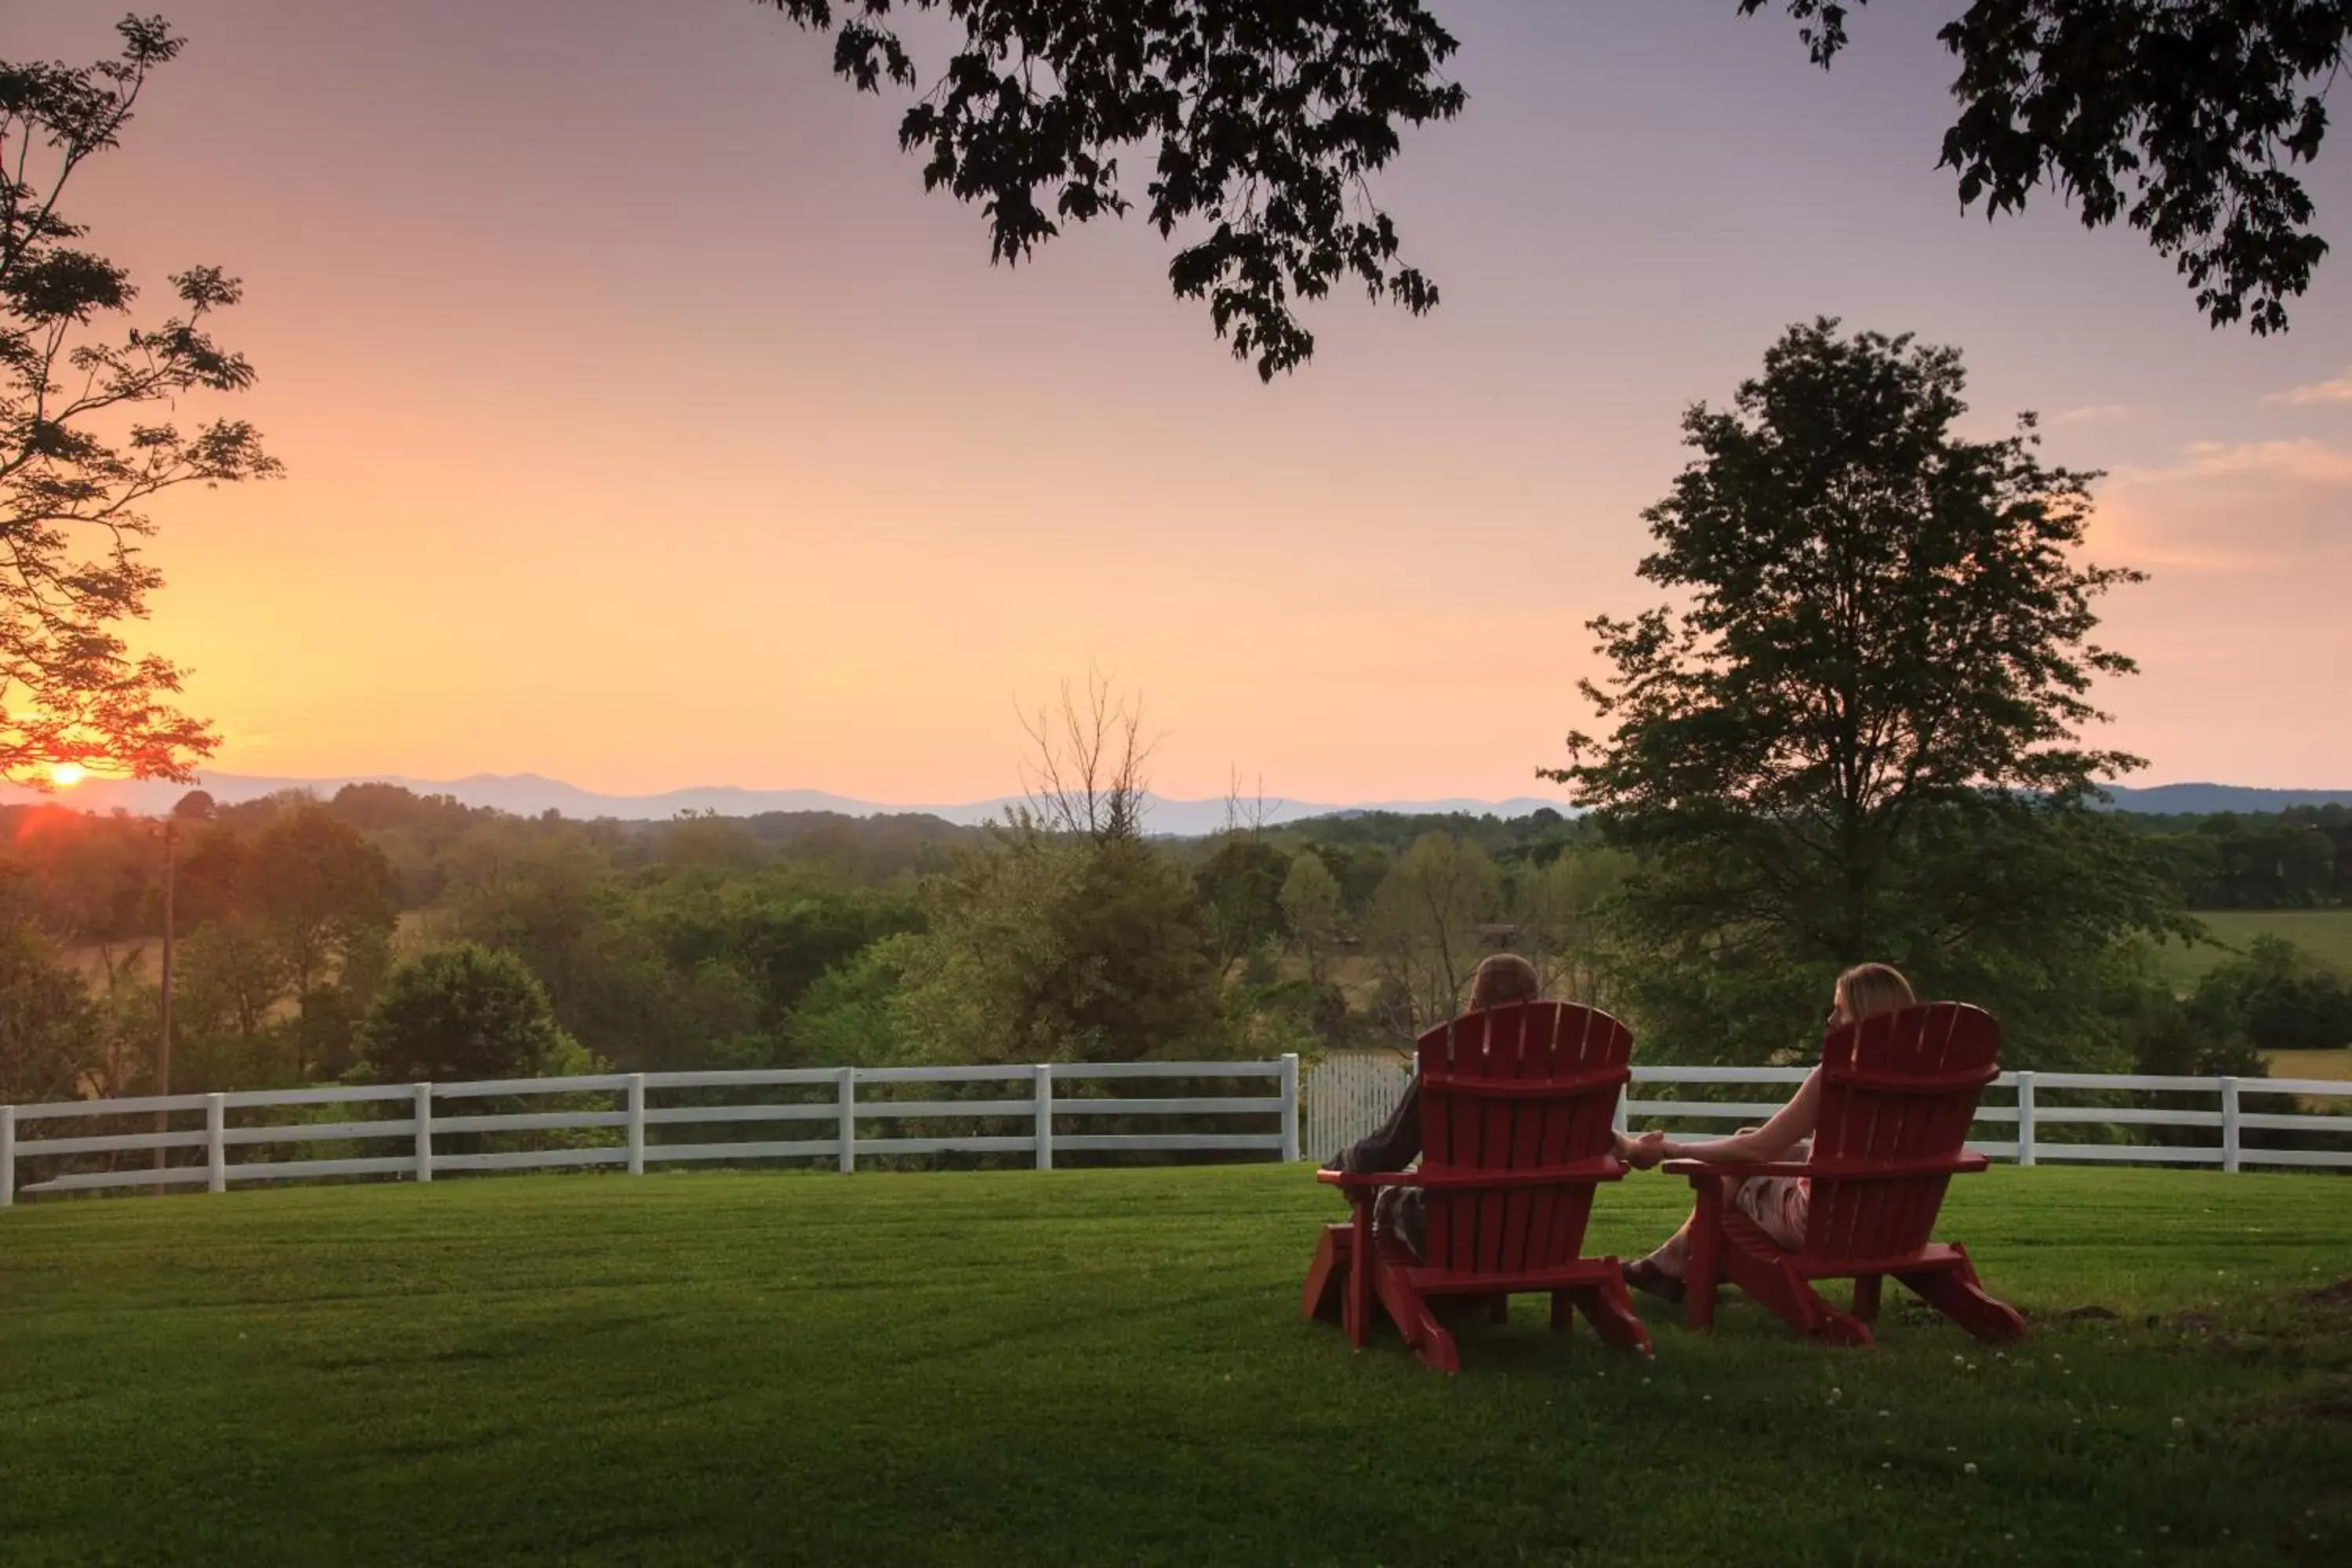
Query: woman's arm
column 1790, row 1125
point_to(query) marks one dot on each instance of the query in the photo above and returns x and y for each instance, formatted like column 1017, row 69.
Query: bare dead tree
column 1251, row 816
column 1085, row 775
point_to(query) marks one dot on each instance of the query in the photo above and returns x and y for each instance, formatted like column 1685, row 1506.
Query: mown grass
column 2324, row 934
column 1108, row 1367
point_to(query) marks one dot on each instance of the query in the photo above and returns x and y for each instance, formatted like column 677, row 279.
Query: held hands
column 1644, row 1152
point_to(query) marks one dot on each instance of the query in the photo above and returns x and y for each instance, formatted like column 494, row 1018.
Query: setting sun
column 65, row 775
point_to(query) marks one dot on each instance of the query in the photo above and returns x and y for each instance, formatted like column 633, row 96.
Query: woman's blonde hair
column 1872, row 988
column 1503, row 979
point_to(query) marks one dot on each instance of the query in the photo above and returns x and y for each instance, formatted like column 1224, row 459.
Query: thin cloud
column 2337, row 391
column 2096, row 414
column 2237, row 509
column 2307, row 461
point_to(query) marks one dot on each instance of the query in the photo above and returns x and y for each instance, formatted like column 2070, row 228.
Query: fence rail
column 1342, row 1098
column 1348, row 1097
column 1055, row 1093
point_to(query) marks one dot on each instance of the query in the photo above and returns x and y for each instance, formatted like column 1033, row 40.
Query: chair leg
column 1961, row 1296
column 1610, row 1311
column 1865, row 1297
column 1323, row 1297
column 1416, row 1318
column 1498, row 1310
column 1563, row 1312
column 1359, row 1274
column 1706, row 1249
column 1833, row 1326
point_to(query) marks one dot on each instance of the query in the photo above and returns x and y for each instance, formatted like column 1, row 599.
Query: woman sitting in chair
column 1501, row 980
column 1778, row 1205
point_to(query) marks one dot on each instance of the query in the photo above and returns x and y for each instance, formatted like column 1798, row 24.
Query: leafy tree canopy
column 80, row 451
column 2184, row 119
column 457, row 1014
column 1264, row 123
column 1857, row 736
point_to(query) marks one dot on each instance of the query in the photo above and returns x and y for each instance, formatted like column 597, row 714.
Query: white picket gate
column 1345, row 1097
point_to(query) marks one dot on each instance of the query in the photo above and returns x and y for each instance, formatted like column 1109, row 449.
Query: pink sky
column 649, row 427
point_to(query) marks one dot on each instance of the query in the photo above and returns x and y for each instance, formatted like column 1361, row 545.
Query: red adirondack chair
column 1898, row 1091
column 1516, row 1105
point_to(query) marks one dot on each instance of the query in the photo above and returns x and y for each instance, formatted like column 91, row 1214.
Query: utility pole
column 164, row 1041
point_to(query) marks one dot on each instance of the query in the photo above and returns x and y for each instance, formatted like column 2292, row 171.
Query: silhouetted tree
column 86, row 436
column 1262, row 123
column 1857, row 739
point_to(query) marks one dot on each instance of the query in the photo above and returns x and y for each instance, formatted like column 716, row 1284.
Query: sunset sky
column 649, row 427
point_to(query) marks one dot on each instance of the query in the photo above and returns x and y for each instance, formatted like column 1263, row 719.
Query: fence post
column 423, row 1131
column 848, row 1119
column 1045, row 1116
column 1289, row 1107
column 2026, row 1119
column 637, row 1124
column 216, row 1144
column 2230, row 1124
column 7, row 1155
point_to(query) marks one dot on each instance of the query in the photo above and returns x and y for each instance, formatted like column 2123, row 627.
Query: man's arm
column 1395, row 1146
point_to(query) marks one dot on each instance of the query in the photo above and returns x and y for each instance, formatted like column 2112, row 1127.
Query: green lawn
column 1108, row 1367
column 2326, row 934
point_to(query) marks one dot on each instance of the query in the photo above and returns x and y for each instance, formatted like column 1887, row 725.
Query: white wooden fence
column 423, row 1117
column 1348, row 1097
column 1342, row 1098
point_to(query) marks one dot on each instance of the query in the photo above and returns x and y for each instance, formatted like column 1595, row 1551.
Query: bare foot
column 1643, row 1274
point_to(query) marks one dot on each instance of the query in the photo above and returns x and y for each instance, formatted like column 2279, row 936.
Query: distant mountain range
column 2197, row 799
column 529, row 794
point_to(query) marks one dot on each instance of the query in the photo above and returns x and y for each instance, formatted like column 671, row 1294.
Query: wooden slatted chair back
column 1527, row 1086
column 1899, row 1092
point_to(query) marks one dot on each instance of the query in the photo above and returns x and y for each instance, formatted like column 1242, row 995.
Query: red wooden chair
column 1516, row 1107
column 1898, row 1091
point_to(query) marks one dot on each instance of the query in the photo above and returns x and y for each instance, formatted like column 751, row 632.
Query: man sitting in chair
column 1500, row 981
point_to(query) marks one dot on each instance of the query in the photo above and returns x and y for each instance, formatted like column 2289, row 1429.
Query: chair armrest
column 1729, row 1168
column 1953, row 1164
column 1369, row 1178
column 1606, row 1168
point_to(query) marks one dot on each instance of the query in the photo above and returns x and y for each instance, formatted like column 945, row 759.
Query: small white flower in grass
column 1969, row 1468
column 2178, row 1422
column 1885, row 1412
column 2164, row 1530
column 2056, row 1357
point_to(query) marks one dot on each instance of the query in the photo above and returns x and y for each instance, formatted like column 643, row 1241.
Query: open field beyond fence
column 2324, row 934
column 1096, row 1366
